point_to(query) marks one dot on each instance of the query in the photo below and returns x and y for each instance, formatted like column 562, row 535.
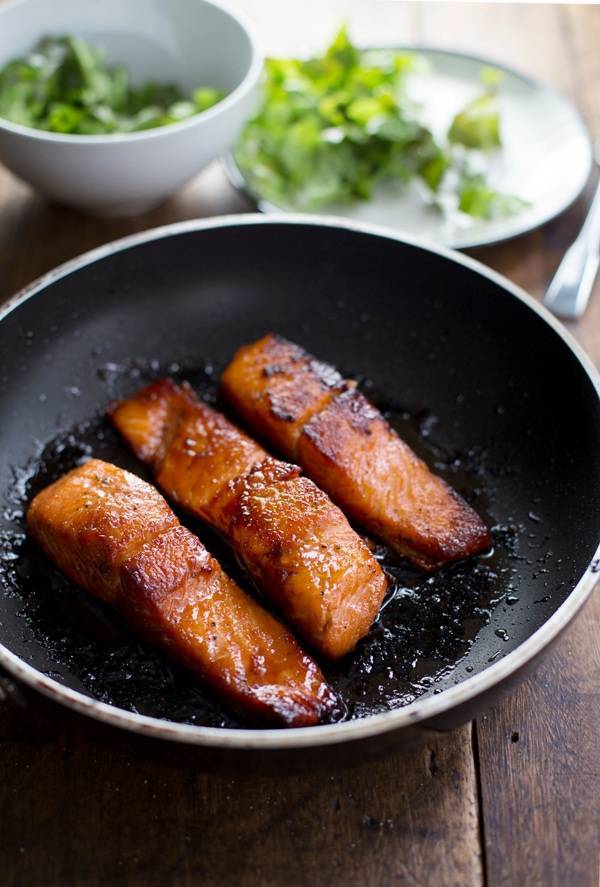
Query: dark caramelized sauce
column 426, row 626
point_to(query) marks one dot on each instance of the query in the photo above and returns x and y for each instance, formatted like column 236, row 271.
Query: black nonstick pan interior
column 477, row 382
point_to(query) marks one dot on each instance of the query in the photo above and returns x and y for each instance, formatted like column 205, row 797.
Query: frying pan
column 490, row 388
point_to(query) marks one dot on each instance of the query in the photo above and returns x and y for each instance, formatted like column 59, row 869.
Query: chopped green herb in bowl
column 65, row 86
column 331, row 128
column 89, row 133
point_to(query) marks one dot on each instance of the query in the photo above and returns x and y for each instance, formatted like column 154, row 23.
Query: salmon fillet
column 347, row 447
column 115, row 536
column 296, row 544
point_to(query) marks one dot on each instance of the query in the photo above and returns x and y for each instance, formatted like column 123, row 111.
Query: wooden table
column 511, row 799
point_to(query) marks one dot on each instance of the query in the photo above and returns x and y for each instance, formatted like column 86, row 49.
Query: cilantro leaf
column 476, row 198
column 478, row 124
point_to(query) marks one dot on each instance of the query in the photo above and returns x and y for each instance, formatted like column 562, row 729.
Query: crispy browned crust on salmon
column 193, row 449
column 347, row 447
column 115, row 535
column 276, row 386
column 93, row 519
column 304, row 554
column 296, row 544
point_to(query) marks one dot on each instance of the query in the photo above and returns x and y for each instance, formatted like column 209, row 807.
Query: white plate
column 545, row 159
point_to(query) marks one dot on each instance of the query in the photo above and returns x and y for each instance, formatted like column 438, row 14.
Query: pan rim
column 348, row 731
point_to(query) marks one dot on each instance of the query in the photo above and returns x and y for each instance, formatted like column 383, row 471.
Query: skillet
column 481, row 380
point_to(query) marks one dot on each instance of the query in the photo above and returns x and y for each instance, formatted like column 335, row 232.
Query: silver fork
column 571, row 287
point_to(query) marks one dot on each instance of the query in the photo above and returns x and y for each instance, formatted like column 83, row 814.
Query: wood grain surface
column 510, row 800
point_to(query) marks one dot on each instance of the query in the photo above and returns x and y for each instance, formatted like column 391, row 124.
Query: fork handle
column 571, row 286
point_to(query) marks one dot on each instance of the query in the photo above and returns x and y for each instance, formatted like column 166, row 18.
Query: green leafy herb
column 477, row 199
column 478, row 124
column 330, row 128
column 64, row 86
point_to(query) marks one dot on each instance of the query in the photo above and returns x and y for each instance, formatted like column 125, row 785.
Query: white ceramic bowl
column 190, row 42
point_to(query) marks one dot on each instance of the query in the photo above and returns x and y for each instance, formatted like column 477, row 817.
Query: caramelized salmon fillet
column 116, row 537
column 347, row 447
column 296, row 544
